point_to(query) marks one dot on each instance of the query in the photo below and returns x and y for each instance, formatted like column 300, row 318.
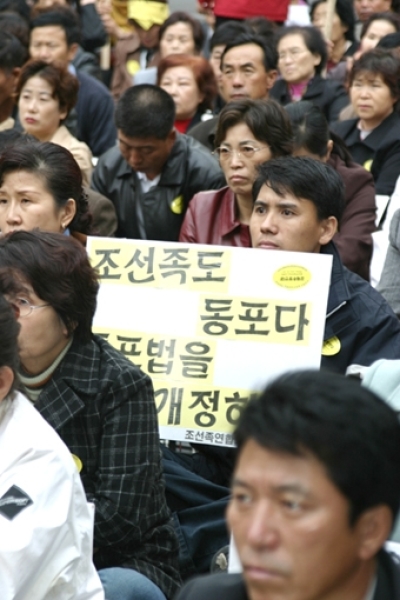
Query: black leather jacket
column 158, row 213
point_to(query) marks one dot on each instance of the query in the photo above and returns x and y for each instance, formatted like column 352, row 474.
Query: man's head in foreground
column 298, row 203
column 315, row 489
column 145, row 116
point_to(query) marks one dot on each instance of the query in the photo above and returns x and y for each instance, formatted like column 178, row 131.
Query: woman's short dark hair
column 65, row 86
column 311, row 131
column 345, row 11
column 9, row 329
column 194, row 24
column 59, row 171
column 379, row 61
column 352, row 432
column 266, row 119
column 313, row 40
column 202, row 72
column 388, row 16
column 59, row 271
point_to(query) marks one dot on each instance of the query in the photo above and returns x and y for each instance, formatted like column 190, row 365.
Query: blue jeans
column 126, row 584
column 198, row 510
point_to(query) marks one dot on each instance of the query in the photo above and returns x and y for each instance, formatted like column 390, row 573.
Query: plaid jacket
column 102, row 406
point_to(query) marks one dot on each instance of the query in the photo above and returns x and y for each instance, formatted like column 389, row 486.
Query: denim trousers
column 121, row 583
column 198, row 510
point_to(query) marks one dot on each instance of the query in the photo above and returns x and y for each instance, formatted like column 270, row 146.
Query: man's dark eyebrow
column 295, row 488
column 243, row 66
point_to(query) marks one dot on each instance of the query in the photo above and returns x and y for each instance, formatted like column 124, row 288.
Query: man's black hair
column 63, row 16
column 145, row 111
column 270, row 56
column 352, row 432
column 12, row 53
column 228, row 31
column 305, row 178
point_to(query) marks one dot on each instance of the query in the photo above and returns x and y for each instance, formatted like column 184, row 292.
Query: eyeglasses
column 22, row 308
column 225, row 153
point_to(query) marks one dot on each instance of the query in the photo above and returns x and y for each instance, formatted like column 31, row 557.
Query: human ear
column 329, row 227
column 6, row 381
column 72, row 50
column 374, row 526
column 67, row 213
column 272, row 74
column 329, row 148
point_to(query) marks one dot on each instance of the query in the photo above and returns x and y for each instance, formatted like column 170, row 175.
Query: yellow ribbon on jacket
column 147, row 14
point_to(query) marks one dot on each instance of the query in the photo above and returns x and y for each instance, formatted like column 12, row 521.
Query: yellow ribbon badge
column 177, row 205
column 78, row 462
column 331, row 347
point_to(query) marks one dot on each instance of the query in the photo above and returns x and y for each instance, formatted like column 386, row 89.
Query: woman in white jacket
column 46, row 525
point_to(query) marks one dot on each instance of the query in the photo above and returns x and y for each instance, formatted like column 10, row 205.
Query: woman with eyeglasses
column 101, row 405
column 249, row 133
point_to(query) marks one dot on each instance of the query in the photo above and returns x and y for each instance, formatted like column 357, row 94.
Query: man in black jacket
column 154, row 172
column 298, row 205
column 315, row 492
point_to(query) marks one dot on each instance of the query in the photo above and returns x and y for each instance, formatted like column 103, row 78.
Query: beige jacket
column 79, row 150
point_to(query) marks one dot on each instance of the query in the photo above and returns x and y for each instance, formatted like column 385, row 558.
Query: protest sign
column 209, row 324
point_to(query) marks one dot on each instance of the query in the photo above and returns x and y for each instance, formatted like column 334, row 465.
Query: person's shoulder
column 203, row 129
column 111, row 158
column 91, row 86
column 388, row 580
column 197, row 154
column 219, row 586
column 203, row 201
column 113, row 362
column 344, row 127
column 352, row 173
column 45, row 444
column 368, row 299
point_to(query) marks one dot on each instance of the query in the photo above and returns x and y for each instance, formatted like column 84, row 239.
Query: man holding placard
column 298, row 203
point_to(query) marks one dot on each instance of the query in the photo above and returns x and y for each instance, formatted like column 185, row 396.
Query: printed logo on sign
column 292, row 277
column 331, row 347
column 13, row 502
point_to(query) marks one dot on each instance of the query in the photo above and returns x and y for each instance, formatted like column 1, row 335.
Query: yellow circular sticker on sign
column 331, row 347
column 78, row 462
column 177, row 205
column 292, row 277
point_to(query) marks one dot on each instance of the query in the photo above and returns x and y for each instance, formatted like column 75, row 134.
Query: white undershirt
column 147, row 184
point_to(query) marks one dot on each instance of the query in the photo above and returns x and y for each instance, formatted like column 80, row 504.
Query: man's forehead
column 278, row 469
column 134, row 142
column 244, row 54
column 49, row 32
column 267, row 193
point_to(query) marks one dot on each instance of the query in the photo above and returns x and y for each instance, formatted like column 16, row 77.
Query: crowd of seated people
column 124, row 119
